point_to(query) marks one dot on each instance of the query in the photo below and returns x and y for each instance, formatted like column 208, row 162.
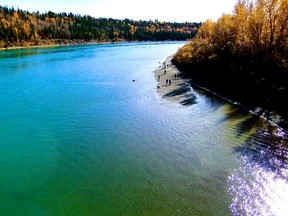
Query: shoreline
column 170, row 84
column 238, row 104
column 57, row 43
column 69, row 42
column 166, row 91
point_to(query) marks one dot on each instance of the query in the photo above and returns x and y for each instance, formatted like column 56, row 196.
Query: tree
column 257, row 28
column 241, row 13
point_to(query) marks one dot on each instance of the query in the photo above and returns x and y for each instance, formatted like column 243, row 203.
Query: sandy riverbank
column 180, row 91
column 171, row 85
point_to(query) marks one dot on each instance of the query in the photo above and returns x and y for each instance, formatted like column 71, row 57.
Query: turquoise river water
column 78, row 137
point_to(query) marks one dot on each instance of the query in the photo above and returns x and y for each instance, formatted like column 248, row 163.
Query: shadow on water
column 267, row 150
column 190, row 100
column 247, row 122
column 183, row 90
column 262, row 177
column 259, row 185
column 266, row 145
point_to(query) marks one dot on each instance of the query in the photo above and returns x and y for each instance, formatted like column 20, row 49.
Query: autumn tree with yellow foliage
column 243, row 56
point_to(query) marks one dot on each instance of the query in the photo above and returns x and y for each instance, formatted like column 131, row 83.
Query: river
column 79, row 137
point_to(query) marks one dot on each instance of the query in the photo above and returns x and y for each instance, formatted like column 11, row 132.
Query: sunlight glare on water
column 257, row 189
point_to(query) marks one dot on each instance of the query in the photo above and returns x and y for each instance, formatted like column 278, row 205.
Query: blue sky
column 163, row 10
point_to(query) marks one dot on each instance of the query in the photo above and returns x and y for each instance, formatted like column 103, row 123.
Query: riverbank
column 171, row 85
column 181, row 90
column 56, row 42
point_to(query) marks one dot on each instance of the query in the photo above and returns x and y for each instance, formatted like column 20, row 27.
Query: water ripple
column 256, row 191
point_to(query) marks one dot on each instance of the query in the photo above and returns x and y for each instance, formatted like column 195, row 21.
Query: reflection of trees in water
column 268, row 151
column 256, row 185
column 259, row 185
column 266, row 145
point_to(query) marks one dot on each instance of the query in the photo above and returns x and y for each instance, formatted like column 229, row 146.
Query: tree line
column 20, row 28
column 243, row 55
column 257, row 28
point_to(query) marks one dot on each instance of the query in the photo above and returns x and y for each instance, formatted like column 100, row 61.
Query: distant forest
column 22, row 28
